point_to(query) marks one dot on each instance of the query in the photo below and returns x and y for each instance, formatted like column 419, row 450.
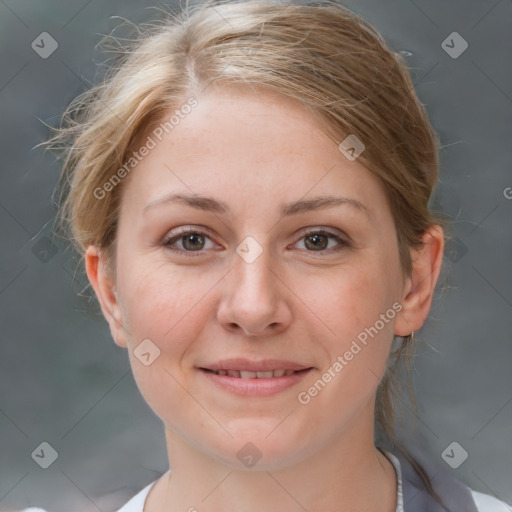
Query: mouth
column 254, row 384
column 241, row 374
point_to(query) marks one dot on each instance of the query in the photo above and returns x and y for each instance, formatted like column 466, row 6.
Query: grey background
column 64, row 381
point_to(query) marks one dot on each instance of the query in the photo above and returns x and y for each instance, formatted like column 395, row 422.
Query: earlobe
column 106, row 293
column 420, row 286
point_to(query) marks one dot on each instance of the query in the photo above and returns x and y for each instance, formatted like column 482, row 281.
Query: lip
column 256, row 387
column 247, row 365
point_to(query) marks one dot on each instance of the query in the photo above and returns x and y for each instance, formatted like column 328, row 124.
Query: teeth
column 255, row 375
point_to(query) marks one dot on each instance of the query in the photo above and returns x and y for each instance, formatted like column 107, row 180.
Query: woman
column 249, row 189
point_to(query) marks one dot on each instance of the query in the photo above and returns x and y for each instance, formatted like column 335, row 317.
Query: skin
column 255, row 151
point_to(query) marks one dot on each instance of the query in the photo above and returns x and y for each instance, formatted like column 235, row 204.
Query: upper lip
column 247, row 365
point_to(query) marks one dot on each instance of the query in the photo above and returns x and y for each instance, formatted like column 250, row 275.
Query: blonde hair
column 319, row 53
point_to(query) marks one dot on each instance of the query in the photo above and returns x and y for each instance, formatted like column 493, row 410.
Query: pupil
column 316, row 238
column 187, row 238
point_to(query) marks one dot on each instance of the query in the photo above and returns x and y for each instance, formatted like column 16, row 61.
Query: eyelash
column 167, row 243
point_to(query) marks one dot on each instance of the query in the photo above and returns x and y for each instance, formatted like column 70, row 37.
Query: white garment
column 484, row 502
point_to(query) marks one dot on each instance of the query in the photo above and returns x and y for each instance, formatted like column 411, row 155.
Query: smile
column 255, row 384
column 240, row 374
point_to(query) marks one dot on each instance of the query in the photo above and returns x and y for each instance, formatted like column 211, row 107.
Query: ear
column 419, row 288
column 104, row 286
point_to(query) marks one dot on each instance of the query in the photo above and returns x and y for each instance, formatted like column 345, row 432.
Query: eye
column 191, row 241
column 318, row 241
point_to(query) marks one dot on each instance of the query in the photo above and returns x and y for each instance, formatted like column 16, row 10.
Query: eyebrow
column 209, row 204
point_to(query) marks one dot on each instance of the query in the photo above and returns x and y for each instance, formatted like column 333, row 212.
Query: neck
column 347, row 475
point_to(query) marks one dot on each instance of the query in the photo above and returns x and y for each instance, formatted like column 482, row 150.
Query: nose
column 256, row 298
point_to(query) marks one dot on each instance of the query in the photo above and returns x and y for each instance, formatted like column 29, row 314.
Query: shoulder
column 135, row 504
column 487, row 503
column 455, row 494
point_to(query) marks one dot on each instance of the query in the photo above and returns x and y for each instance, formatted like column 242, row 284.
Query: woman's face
column 265, row 276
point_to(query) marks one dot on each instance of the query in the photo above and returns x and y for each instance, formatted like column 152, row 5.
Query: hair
column 318, row 53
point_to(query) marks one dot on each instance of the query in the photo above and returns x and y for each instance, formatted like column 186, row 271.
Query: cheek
column 357, row 345
column 350, row 301
column 358, row 311
column 164, row 303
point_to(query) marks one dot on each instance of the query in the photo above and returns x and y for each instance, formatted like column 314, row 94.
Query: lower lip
column 256, row 387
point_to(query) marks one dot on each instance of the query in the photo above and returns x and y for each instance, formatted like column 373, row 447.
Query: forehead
column 240, row 138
